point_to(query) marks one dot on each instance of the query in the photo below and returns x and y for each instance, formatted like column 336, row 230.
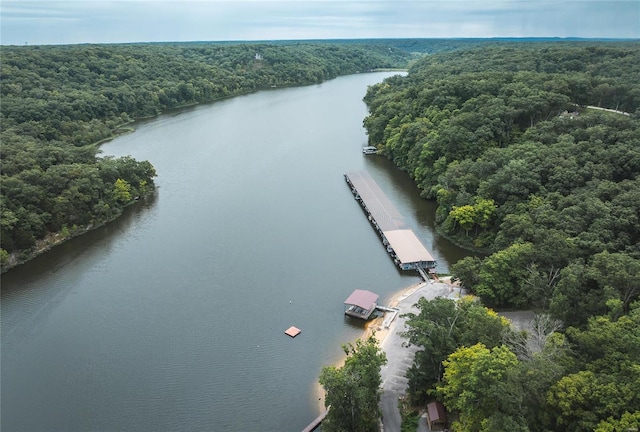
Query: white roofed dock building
column 402, row 244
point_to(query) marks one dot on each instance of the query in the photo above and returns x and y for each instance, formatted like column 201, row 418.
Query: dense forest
column 524, row 168
column 60, row 102
column 497, row 132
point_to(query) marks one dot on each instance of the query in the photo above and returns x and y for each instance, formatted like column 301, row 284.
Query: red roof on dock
column 362, row 298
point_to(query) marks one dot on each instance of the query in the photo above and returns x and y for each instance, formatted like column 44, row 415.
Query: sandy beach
column 399, row 358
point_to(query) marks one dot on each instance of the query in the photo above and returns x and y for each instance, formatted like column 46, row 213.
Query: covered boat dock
column 402, row 244
column 361, row 304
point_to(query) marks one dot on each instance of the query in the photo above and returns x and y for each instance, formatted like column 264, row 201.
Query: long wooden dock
column 403, row 246
column 316, row 422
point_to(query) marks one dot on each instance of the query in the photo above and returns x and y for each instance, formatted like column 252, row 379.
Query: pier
column 404, row 247
column 315, row 423
column 406, row 250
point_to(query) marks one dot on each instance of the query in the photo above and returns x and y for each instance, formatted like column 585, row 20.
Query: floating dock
column 361, row 304
column 403, row 246
column 292, row 331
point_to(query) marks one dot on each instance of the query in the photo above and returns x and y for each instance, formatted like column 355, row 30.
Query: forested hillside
column 502, row 138
column 58, row 102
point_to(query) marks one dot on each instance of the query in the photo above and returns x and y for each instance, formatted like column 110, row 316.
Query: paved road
column 422, row 424
column 521, row 320
column 608, row 110
column 399, row 357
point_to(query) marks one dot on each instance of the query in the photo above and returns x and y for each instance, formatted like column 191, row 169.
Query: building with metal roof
column 437, row 416
column 361, row 304
column 409, row 252
column 403, row 245
column 374, row 201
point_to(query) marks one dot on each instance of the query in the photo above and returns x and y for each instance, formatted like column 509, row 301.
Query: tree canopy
column 438, row 329
column 507, row 140
column 60, row 102
column 521, row 168
column 353, row 390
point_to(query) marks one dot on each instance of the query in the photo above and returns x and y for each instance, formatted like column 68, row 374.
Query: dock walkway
column 425, row 277
column 316, row 422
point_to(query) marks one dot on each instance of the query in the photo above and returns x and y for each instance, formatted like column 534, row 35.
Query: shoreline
column 53, row 240
column 375, row 327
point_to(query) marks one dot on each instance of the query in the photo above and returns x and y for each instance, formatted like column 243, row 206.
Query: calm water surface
column 172, row 317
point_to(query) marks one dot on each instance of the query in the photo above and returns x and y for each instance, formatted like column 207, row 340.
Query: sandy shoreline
column 381, row 332
column 393, row 344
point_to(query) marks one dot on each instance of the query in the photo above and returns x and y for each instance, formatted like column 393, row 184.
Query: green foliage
column 122, row 191
column 502, row 275
column 439, row 329
column 536, row 375
column 501, row 137
column 584, row 289
column 73, row 190
column 478, row 382
column 487, row 132
column 609, row 343
column 84, row 92
column 353, row 391
column 573, row 383
column 628, row 422
column 585, row 398
column 618, row 273
column 463, row 216
column 466, row 217
column 59, row 102
column 466, row 271
column 409, row 417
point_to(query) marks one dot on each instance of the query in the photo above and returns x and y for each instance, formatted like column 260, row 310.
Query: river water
column 173, row 317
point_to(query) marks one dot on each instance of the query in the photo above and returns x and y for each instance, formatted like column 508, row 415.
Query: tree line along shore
column 503, row 139
column 495, row 131
column 60, row 102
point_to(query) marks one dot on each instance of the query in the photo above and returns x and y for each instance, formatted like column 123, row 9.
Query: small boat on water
column 369, row 150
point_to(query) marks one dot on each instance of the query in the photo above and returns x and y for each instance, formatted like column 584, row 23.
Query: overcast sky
column 97, row 21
